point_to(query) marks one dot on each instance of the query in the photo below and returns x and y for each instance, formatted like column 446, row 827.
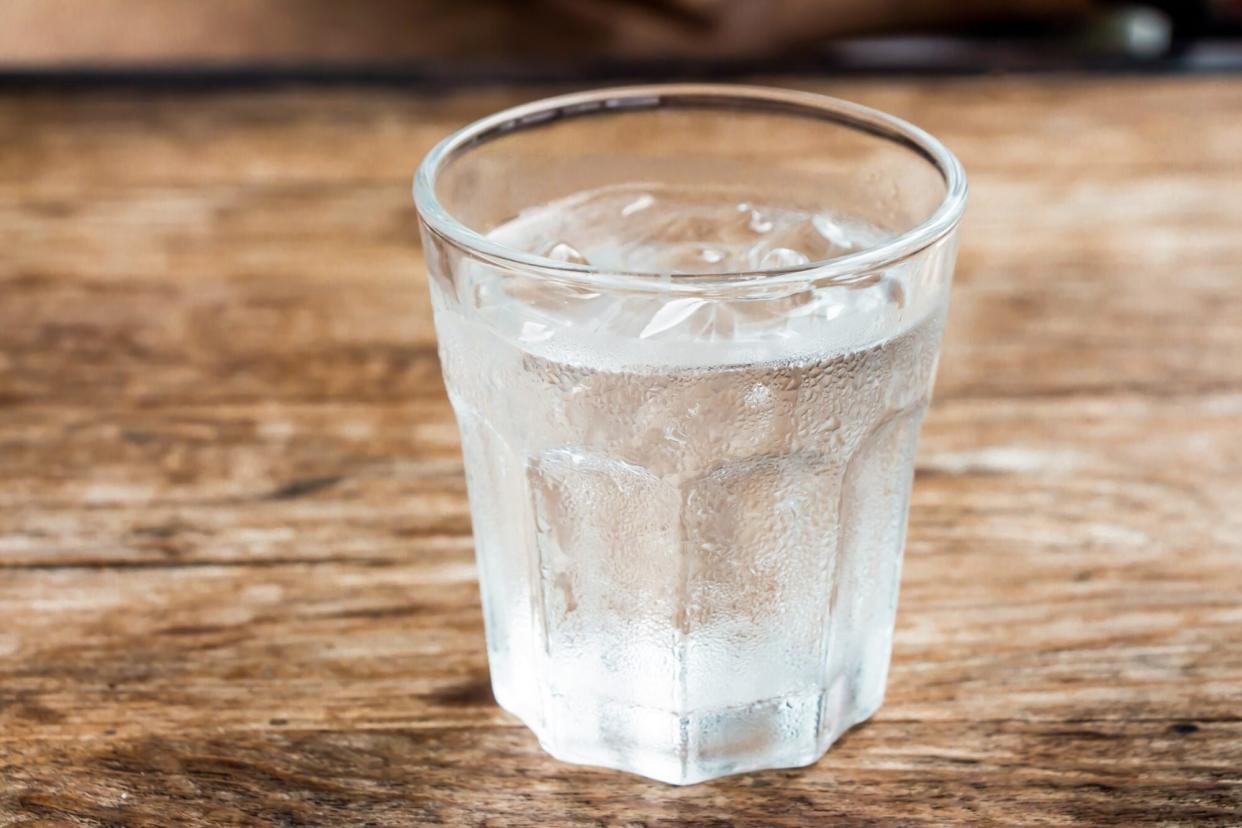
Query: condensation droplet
column 758, row 223
column 758, row 394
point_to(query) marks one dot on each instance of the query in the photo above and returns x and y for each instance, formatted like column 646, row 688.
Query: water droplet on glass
column 758, row 394
column 782, row 257
column 638, row 205
column 563, row 252
column 711, row 255
column 758, row 223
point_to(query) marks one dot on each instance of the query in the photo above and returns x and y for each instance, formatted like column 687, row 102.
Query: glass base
column 790, row 732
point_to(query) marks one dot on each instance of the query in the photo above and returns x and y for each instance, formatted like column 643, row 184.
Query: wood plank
column 886, row 773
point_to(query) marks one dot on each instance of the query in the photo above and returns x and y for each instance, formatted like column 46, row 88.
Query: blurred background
column 555, row 39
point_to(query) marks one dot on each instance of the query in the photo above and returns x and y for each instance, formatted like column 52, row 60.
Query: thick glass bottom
column 682, row 749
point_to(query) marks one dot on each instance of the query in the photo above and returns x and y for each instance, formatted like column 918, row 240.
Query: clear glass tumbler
column 689, row 333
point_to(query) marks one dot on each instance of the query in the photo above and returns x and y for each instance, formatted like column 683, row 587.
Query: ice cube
column 779, row 257
column 831, row 230
column 759, row 223
column 638, row 205
column 565, row 252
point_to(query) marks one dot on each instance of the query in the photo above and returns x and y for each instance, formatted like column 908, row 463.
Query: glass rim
column 942, row 221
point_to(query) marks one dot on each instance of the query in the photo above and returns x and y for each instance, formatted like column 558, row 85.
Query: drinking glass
column 689, row 443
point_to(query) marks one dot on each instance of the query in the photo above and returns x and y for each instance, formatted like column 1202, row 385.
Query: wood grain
column 235, row 566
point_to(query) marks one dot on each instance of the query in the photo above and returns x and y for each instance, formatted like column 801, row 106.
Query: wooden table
column 236, row 580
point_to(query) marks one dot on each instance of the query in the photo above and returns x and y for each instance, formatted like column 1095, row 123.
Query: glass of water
column 689, row 333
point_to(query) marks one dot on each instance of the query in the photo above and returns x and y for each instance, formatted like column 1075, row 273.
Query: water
column 688, row 513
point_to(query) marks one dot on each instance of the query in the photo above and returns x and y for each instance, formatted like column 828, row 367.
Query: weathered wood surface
column 235, row 566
